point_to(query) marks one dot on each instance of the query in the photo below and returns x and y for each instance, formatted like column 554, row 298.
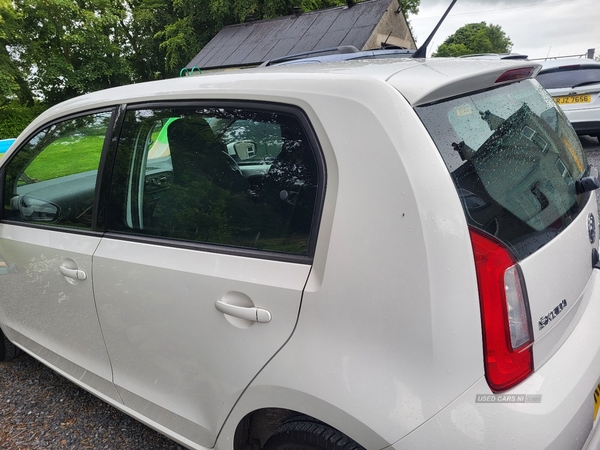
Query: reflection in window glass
column 514, row 158
column 52, row 179
column 231, row 177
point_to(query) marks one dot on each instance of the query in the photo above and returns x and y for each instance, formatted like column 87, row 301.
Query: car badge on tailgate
column 545, row 320
column 591, row 222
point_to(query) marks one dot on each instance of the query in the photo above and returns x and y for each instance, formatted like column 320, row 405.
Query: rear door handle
column 253, row 314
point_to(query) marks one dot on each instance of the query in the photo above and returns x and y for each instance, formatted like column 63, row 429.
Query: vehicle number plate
column 570, row 99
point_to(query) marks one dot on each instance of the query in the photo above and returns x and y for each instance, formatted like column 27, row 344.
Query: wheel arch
column 262, row 409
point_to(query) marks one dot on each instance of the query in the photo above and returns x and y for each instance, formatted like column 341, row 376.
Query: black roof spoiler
column 422, row 50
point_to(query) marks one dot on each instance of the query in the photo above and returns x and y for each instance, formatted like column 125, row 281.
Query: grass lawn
column 66, row 156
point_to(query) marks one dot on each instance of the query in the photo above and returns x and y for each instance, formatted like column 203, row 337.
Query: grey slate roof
column 255, row 42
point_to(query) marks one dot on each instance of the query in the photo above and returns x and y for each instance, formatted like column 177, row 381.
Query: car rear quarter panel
column 561, row 419
column 389, row 329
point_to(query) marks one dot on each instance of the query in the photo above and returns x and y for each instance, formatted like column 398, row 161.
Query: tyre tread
column 8, row 350
column 309, row 434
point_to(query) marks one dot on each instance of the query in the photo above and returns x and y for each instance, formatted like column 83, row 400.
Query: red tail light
column 507, row 333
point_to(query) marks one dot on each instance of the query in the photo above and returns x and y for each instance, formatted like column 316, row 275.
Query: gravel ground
column 41, row 410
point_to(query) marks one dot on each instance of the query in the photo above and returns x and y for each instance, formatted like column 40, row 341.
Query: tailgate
column 556, row 276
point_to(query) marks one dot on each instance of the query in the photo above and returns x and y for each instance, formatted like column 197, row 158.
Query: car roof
column 419, row 80
column 562, row 62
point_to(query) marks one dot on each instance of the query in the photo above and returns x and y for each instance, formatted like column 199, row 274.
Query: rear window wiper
column 588, row 183
column 585, row 83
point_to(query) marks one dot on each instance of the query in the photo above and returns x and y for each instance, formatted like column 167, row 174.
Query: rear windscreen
column 569, row 76
column 514, row 159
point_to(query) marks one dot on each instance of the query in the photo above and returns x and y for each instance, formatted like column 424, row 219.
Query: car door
column 200, row 276
column 46, row 245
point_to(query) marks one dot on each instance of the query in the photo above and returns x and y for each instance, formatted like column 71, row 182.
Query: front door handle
column 253, row 314
column 76, row 274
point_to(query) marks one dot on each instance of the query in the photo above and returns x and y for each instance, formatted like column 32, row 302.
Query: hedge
column 15, row 117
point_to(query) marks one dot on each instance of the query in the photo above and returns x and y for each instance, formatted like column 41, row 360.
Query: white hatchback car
column 356, row 255
column 574, row 83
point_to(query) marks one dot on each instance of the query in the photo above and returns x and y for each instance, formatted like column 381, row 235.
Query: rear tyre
column 8, row 350
column 309, row 434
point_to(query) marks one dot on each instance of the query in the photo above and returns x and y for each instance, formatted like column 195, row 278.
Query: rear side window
column 514, row 159
column 569, row 76
column 237, row 177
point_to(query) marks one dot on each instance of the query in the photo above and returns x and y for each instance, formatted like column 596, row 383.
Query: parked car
column 377, row 254
column 574, row 83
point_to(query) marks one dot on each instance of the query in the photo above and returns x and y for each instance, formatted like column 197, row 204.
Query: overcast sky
column 537, row 28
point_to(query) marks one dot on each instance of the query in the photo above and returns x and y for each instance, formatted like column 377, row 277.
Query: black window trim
column 274, row 107
column 105, row 168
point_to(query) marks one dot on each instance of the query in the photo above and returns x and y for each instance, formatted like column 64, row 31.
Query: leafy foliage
column 14, row 117
column 52, row 50
column 409, row 6
column 65, row 48
column 475, row 38
column 12, row 82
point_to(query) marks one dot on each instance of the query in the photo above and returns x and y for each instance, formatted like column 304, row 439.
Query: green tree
column 409, row 7
column 140, row 28
column 13, row 85
column 67, row 47
column 475, row 38
column 64, row 48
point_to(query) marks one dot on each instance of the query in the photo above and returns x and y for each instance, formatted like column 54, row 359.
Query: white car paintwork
column 53, row 313
column 380, row 337
column 177, row 359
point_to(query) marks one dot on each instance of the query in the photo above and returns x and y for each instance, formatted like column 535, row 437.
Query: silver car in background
column 574, row 83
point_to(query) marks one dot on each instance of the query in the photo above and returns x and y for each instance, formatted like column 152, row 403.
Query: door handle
column 76, row 274
column 253, row 314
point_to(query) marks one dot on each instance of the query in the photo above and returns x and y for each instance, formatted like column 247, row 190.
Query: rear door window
column 238, row 177
column 514, row 159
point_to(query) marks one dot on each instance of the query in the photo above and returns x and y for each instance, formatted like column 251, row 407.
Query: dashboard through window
column 238, row 177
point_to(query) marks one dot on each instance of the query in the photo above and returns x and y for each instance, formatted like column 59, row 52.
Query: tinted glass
column 52, row 179
column 233, row 177
column 514, row 159
column 569, row 77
